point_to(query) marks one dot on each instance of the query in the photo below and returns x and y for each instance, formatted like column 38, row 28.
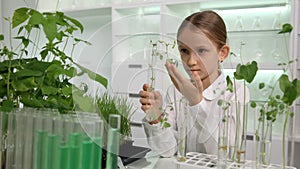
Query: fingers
column 175, row 73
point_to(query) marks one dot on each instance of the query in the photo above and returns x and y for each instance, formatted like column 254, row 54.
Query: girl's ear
column 223, row 53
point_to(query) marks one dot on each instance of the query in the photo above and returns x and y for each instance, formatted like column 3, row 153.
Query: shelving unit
column 120, row 32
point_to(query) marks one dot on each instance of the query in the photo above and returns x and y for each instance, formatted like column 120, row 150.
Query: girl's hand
column 192, row 92
column 151, row 102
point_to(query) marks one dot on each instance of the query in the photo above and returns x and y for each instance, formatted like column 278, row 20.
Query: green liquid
column 75, row 157
column 52, row 151
column 97, row 149
column 112, row 148
column 64, row 157
column 40, row 152
column 87, row 155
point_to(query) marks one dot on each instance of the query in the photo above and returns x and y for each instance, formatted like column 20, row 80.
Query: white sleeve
column 161, row 140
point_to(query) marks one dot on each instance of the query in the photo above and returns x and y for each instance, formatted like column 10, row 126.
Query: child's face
column 199, row 55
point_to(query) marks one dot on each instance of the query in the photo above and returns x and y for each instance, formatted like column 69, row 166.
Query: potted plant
column 38, row 71
column 38, row 74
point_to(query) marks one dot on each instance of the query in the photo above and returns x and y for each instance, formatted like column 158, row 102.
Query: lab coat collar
column 216, row 88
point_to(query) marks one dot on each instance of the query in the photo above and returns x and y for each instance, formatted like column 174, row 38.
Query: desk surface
column 153, row 161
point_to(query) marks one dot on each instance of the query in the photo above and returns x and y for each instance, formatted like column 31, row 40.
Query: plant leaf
column 7, row 106
column 229, row 84
column 94, row 76
column 75, row 22
column 50, row 27
column 261, row 85
column 20, row 15
column 24, row 85
column 1, row 37
column 28, row 73
column 286, row 28
column 246, row 72
column 49, row 90
column 36, row 17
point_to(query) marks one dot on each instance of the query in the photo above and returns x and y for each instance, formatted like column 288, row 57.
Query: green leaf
column 246, row 72
column 284, row 82
column 7, row 106
column 32, row 102
column 166, row 125
column 44, row 53
column 229, row 84
column 84, row 103
column 94, row 76
column 50, row 28
column 220, row 102
column 49, row 90
column 1, row 37
column 28, row 73
column 20, row 15
column 261, row 85
column 286, row 28
column 36, row 17
column 71, row 72
column 67, row 90
column 75, row 22
column 24, row 85
column 253, row 104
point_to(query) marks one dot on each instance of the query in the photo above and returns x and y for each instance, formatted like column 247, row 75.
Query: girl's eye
column 183, row 51
column 201, row 51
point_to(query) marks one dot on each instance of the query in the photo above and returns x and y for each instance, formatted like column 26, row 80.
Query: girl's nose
column 192, row 60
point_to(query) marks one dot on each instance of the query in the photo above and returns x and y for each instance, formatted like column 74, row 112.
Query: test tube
column 29, row 135
column 10, row 141
column 19, row 144
column 64, row 157
column 97, row 144
column 87, row 155
column 53, row 151
column 182, row 129
column 113, row 141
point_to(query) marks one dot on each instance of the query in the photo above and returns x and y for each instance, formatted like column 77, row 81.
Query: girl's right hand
column 151, row 102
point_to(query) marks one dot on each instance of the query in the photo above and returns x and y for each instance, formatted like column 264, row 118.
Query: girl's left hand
column 192, row 92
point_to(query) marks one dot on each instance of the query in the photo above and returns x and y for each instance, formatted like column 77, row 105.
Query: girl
column 201, row 40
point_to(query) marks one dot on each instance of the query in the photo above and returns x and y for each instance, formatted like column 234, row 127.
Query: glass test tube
column 10, row 141
column 113, row 141
column 182, row 129
column 29, row 135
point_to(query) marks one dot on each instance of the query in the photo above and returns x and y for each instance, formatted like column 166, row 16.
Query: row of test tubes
column 46, row 139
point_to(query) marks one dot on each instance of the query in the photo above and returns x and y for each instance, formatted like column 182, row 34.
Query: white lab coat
column 202, row 121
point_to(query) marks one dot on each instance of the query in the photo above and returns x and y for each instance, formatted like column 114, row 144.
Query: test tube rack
column 195, row 160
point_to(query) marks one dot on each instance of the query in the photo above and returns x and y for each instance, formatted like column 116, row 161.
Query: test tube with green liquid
column 113, row 140
column 53, row 151
column 97, row 144
column 87, row 155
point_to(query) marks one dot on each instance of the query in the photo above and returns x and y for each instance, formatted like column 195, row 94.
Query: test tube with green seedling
column 113, row 141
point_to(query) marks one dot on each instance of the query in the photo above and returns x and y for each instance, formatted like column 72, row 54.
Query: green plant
column 107, row 104
column 245, row 73
column 37, row 72
column 280, row 104
column 156, row 53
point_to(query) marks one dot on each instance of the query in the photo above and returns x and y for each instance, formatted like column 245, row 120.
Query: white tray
column 196, row 160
